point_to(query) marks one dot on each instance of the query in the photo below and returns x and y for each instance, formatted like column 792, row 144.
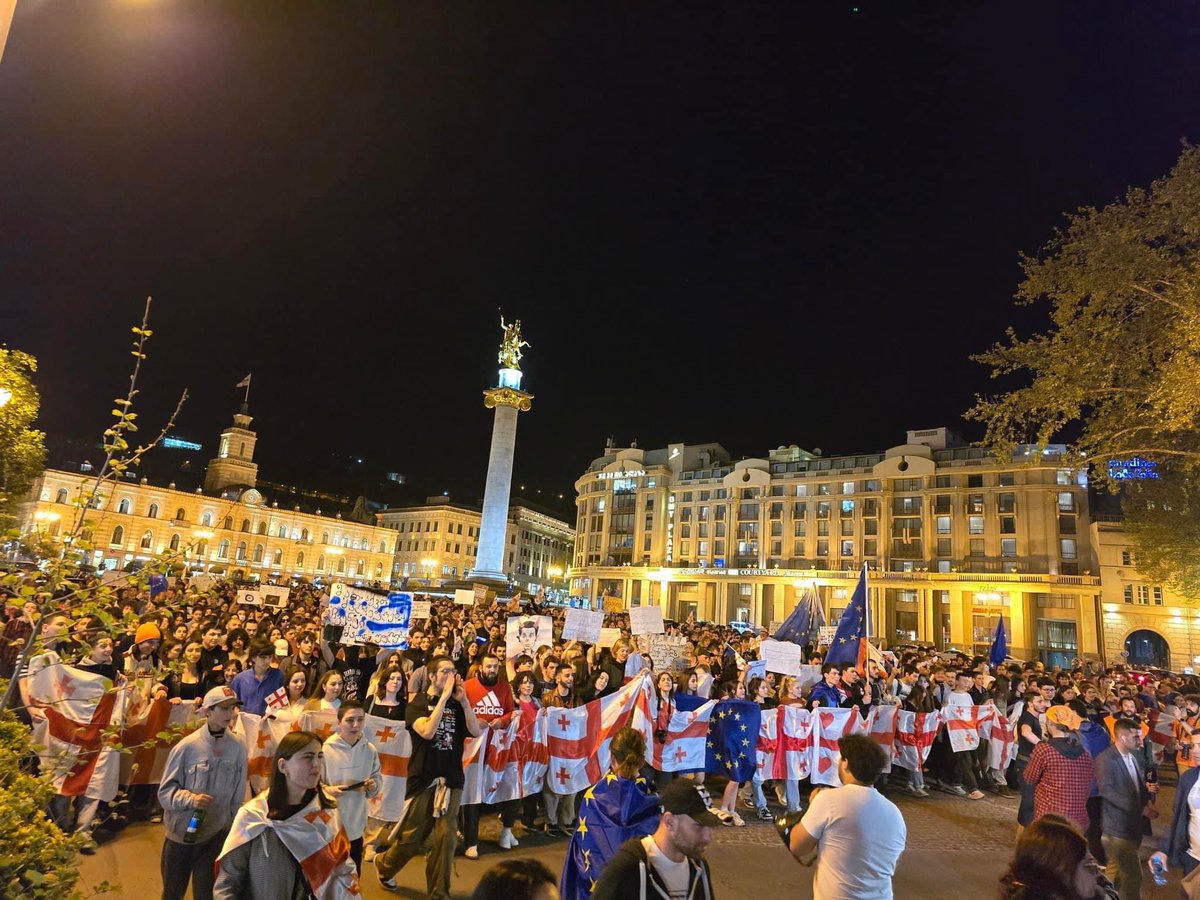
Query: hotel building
column 952, row 538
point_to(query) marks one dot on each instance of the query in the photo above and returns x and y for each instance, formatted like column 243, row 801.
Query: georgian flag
column 506, row 763
column 259, row 739
column 1162, row 731
column 394, row 745
column 314, row 836
column 882, row 727
column 795, row 747
column 915, row 733
column 768, row 745
column 577, row 739
column 74, row 710
column 685, row 747
column 278, row 699
column 966, row 726
column 829, row 725
column 1002, row 743
column 148, row 754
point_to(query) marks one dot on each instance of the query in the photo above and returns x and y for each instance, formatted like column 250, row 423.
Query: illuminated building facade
column 952, row 537
column 227, row 528
column 439, row 541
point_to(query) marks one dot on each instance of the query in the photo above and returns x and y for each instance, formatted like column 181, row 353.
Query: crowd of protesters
column 1085, row 751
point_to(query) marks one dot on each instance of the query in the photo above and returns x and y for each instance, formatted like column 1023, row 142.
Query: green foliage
column 22, row 449
column 36, row 859
column 1121, row 358
column 1162, row 517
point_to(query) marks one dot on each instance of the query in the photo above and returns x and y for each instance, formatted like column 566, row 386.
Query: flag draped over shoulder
column 687, row 731
column 612, row 811
column 849, row 643
column 732, row 736
column 394, row 745
column 801, row 627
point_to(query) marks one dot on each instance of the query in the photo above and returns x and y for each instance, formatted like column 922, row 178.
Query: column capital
column 506, row 396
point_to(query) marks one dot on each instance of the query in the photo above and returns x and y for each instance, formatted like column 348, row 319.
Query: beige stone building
column 952, row 539
column 439, row 540
column 1146, row 620
column 227, row 528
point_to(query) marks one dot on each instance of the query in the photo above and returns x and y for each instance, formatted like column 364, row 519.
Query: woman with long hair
column 390, row 699
column 189, row 683
column 289, row 822
column 296, row 682
column 920, row 701
column 1052, row 863
column 328, row 694
column 727, row 813
column 762, row 692
column 525, row 690
column 664, row 699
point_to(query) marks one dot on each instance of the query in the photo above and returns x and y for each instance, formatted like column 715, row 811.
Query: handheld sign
column 783, row 657
column 583, row 625
column 524, row 634
column 249, row 598
column 464, row 597
column 421, row 609
column 646, row 620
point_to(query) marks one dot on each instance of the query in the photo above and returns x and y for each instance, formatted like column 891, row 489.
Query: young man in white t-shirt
column 857, row 832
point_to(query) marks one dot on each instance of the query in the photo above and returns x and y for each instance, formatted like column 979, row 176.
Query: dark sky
column 752, row 223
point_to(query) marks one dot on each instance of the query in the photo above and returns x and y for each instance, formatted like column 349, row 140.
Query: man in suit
column 1124, row 794
column 1176, row 846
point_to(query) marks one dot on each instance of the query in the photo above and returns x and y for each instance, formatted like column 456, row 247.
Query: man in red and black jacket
column 491, row 700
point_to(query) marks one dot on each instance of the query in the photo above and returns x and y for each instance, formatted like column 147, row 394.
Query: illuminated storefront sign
column 175, row 443
column 1132, row 469
column 620, row 473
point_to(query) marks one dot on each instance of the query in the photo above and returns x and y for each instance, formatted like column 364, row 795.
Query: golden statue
column 510, row 346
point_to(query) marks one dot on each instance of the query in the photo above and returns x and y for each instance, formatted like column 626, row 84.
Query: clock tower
column 234, row 464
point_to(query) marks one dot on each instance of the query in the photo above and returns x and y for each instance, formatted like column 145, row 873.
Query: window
column 228, row 523
column 174, row 545
column 277, row 559
column 123, row 506
column 823, row 489
column 941, row 504
column 975, row 524
column 847, row 548
column 847, row 487
column 152, row 512
column 847, row 508
column 943, row 481
column 1006, row 479
column 1006, row 503
column 1008, row 548
column 1053, row 634
column 847, row 527
column 823, row 509
column 118, row 536
column 976, row 547
column 180, row 515
column 1055, row 601
column 1066, row 502
column 61, row 496
column 1068, row 548
column 974, row 481
column 148, row 540
column 299, row 559
column 205, row 519
column 870, row 548
column 906, row 506
column 822, row 548
column 1126, row 558
column 1066, row 524
column 341, row 565
column 975, row 503
column 223, row 550
column 324, row 537
column 240, row 554
column 823, row 529
column 944, row 547
column 258, row 553
column 1063, row 476
column 321, row 563
column 262, row 527
column 282, row 531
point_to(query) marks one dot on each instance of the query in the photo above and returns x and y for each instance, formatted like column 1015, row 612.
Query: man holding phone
column 351, row 774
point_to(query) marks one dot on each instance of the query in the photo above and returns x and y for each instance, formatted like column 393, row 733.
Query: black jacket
column 630, row 876
column 1174, row 841
column 1123, row 800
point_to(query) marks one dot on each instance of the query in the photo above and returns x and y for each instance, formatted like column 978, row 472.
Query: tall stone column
column 508, row 401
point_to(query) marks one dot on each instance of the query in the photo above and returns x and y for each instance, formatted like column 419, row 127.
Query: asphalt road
column 957, row 848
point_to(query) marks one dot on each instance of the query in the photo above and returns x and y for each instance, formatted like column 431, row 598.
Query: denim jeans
column 182, row 863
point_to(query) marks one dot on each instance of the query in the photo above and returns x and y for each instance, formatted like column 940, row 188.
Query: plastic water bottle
column 193, row 826
column 1159, row 871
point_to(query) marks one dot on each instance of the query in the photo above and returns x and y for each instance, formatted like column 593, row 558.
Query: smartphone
column 353, row 787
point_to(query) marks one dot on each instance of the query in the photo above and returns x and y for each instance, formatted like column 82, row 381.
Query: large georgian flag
column 148, row 754
column 1162, row 731
column 795, row 747
column 966, row 726
column 577, row 739
column 915, row 733
column 314, row 836
column 394, row 745
column 75, row 711
column 829, row 725
column 882, row 727
column 684, row 749
column 1002, row 742
column 506, row 763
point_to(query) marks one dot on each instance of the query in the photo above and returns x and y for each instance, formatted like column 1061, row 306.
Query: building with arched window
column 202, row 530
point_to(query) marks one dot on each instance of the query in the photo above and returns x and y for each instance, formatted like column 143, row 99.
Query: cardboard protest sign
column 524, row 634
column 378, row 618
column 583, row 625
column 668, row 652
column 609, row 636
column 614, row 604
column 646, row 620
column 826, row 634
column 464, row 597
column 482, row 597
column 783, row 657
column 274, row 596
column 249, row 598
column 421, row 609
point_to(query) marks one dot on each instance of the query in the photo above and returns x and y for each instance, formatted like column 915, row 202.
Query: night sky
column 750, row 223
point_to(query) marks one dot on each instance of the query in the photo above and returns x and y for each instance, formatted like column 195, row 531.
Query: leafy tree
column 22, row 449
column 1121, row 359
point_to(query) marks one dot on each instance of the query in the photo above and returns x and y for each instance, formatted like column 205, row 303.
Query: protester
column 350, row 771
column 204, row 779
column 259, row 681
column 1052, row 863
column 1180, row 843
column 516, row 879
column 492, row 703
column 857, row 832
column 1124, row 793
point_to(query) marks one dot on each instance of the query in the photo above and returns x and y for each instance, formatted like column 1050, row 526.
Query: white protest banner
column 335, row 614
column 609, row 636
column 274, row 596
column 524, row 634
column 201, row 583
column 249, row 598
column 464, row 597
column 646, row 620
column 668, row 652
column 381, row 619
column 421, row 609
column 783, row 657
column 826, row 634
column 583, row 625
column 114, row 576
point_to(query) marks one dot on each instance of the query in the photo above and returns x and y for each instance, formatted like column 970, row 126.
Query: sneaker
column 956, row 789
column 550, row 828
column 975, row 795
column 566, row 830
column 724, row 815
column 471, row 853
column 388, row 884
column 89, row 846
column 921, row 792
column 765, row 814
column 913, row 789
column 736, row 820
column 749, row 802
column 507, row 839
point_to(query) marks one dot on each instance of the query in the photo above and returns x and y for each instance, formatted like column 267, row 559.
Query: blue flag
column 612, row 811
column 732, row 736
column 999, row 645
column 801, row 626
column 846, row 643
column 158, row 585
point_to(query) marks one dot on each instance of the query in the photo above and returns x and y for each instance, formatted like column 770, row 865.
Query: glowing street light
column 5, row 396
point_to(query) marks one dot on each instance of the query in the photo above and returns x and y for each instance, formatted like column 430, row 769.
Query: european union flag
column 613, row 810
column 732, row 736
column 851, row 628
column 801, row 626
column 999, row 645
column 158, row 585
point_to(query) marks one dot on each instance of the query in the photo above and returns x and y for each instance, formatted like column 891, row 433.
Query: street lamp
column 5, row 396
column 427, row 565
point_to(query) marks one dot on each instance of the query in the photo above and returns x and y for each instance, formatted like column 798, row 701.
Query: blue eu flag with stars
column 612, row 811
column 851, row 628
column 732, row 735
column 802, row 626
column 158, row 585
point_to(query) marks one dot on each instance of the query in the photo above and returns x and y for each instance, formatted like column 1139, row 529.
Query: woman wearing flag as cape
column 287, row 842
column 619, row 806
